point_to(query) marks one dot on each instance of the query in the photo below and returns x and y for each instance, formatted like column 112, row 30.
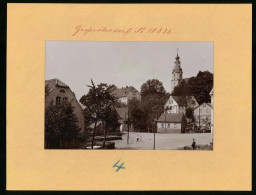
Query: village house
column 123, row 117
column 59, row 92
column 125, row 94
column 202, row 115
column 171, row 123
column 211, row 94
column 178, row 104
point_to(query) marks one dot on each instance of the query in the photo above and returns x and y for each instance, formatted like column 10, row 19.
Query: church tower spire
column 176, row 72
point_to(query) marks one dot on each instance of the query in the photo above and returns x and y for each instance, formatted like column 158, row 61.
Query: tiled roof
column 122, row 92
column 181, row 100
column 171, row 117
column 53, row 82
column 122, row 112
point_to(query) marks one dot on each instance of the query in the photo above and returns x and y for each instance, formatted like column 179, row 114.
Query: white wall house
column 203, row 114
column 178, row 104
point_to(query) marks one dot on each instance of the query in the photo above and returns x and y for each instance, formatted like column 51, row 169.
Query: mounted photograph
column 129, row 95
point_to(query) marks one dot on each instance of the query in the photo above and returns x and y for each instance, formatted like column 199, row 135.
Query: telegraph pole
column 165, row 121
column 199, row 118
column 128, row 127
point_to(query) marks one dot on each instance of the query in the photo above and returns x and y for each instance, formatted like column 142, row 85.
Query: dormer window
column 62, row 91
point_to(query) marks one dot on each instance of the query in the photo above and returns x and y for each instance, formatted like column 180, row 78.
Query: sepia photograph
column 129, row 95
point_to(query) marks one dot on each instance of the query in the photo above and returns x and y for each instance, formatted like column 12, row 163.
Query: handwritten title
column 81, row 30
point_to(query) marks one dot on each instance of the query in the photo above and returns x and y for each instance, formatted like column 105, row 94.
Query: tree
column 112, row 88
column 97, row 102
column 111, row 121
column 60, row 124
column 190, row 113
column 136, row 114
column 199, row 87
column 182, row 89
column 152, row 86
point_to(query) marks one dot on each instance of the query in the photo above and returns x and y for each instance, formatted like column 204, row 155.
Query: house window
column 58, row 100
column 207, row 111
column 62, row 91
column 168, row 125
column 162, row 125
column 65, row 99
column 171, row 101
column 174, row 126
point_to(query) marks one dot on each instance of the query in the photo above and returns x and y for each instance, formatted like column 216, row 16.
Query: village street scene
column 129, row 95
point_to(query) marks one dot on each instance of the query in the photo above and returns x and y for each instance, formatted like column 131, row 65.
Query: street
column 163, row 141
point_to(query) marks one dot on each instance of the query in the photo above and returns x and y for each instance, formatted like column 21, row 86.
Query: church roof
column 177, row 67
column 171, row 117
column 122, row 92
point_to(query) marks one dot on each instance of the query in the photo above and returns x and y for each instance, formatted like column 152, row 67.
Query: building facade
column 211, row 94
column 171, row 123
column 203, row 115
column 57, row 93
column 178, row 104
column 125, row 94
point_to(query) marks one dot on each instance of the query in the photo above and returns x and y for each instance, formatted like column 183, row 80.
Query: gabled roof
column 54, row 82
column 171, row 117
column 202, row 105
column 122, row 92
column 180, row 100
column 122, row 112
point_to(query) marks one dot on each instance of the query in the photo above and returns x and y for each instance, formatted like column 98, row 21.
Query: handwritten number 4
column 118, row 167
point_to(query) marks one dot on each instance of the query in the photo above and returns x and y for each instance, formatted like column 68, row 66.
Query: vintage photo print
column 129, row 95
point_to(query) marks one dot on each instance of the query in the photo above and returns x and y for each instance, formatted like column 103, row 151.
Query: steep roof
column 122, row 92
column 171, row 117
column 122, row 112
column 181, row 100
column 209, row 104
column 54, row 82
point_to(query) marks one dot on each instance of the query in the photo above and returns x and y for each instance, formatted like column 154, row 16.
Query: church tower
column 176, row 73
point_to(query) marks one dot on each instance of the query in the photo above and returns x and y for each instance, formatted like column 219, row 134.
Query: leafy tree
column 97, row 102
column 60, row 124
column 136, row 114
column 182, row 89
column 199, row 87
column 190, row 113
column 152, row 86
column 111, row 121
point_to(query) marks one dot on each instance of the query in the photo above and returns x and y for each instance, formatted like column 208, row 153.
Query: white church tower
column 176, row 73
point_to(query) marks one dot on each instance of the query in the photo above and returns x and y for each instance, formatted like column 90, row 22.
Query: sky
column 123, row 63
